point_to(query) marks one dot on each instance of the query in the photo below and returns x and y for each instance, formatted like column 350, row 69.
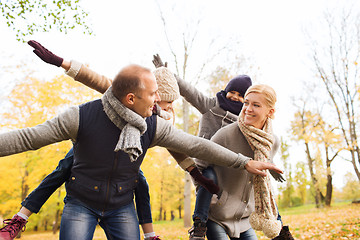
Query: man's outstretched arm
column 176, row 140
column 63, row 127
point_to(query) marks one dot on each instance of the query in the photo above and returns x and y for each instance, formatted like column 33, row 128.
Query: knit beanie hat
column 166, row 81
column 239, row 83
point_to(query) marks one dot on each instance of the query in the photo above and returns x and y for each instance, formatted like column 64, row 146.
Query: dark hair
column 128, row 80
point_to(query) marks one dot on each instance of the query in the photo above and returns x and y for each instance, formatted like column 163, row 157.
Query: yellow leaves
column 165, row 179
column 340, row 222
column 32, row 102
column 218, row 80
column 310, row 127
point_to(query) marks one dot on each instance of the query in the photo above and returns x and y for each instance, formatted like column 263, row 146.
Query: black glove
column 158, row 62
column 277, row 176
column 207, row 183
column 45, row 54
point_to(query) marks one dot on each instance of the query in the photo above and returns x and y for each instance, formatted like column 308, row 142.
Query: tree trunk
column 161, row 199
column 356, row 151
column 187, row 187
column 172, row 215
column 329, row 187
column 313, row 177
column 179, row 209
column 187, row 200
column 160, row 213
column 180, row 204
column 353, row 161
column 57, row 216
column 24, row 192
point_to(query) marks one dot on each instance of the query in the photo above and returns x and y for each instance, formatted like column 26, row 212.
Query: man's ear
column 130, row 99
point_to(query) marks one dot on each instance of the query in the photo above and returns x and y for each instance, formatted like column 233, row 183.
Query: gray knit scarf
column 131, row 124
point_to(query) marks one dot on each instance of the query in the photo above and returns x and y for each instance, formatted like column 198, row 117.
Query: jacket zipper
column 109, row 180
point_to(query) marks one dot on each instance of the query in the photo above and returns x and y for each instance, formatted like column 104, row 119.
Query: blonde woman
column 251, row 136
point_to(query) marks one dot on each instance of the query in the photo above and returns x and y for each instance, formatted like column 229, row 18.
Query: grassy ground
column 342, row 221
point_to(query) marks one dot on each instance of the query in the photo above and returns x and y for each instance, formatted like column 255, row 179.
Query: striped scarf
column 265, row 215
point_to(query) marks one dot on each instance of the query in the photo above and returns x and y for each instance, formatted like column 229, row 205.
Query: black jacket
column 101, row 178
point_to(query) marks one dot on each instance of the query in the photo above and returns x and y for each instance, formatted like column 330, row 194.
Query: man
column 110, row 137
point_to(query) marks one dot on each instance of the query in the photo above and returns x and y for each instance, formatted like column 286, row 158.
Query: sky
column 270, row 33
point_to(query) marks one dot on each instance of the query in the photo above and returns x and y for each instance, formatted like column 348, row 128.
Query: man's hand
column 207, row 183
column 257, row 167
column 277, row 176
column 45, row 54
column 158, row 62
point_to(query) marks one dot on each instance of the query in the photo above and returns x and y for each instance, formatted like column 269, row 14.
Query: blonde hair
column 267, row 91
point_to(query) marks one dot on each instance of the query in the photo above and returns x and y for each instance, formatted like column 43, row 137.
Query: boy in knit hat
column 168, row 91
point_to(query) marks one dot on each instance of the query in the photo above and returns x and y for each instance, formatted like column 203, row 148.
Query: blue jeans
column 203, row 198
column 142, row 199
column 216, row 232
column 78, row 221
column 36, row 199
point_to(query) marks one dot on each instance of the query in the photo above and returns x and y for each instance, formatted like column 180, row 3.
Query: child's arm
column 190, row 93
column 188, row 164
column 74, row 69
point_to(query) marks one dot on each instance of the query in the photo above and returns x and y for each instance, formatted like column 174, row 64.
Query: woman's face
column 255, row 110
column 234, row 96
column 166, row 106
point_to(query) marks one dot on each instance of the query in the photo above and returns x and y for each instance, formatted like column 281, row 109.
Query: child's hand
column 158, row 62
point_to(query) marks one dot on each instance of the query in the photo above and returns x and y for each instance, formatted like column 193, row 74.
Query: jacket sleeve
column 176, row 140
column 63, row 127
column 182, row 160
column 195, row 97
column 88, row 77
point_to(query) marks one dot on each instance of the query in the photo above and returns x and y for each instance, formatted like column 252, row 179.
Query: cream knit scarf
column 265, row 216
column 131, row 124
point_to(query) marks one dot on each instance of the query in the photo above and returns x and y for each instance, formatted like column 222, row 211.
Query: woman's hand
column 257, row 167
